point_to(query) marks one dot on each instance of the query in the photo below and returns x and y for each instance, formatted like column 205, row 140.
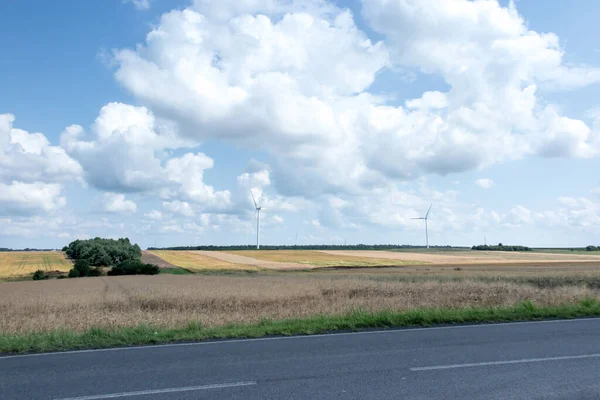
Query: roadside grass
column 60, row 340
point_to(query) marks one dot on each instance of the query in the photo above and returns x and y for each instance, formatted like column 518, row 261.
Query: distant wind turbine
column 425, row 219
column 257, row 221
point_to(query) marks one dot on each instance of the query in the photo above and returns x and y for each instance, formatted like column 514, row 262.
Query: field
column 316, row 290
column 195, row 261
column 175, row 301
column 22, row 263
column 323, row 259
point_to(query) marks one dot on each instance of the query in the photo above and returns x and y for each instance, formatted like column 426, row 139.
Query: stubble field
column 23, row 263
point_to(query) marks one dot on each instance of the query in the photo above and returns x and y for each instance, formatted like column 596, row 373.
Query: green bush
column 134, row 268
column 592, row 248
column 74, row 273
column 39, row 275
column 82, row 268
column 95, row 272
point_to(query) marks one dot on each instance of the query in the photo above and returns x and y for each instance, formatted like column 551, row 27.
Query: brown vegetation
column 468, row 257
column 173, row 301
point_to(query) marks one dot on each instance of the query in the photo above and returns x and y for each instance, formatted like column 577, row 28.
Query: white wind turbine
column 257, row 221
column 425, row 219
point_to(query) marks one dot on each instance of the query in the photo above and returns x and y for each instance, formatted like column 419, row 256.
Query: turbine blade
column 418, row 218
column 427, row 215
column 253, row 199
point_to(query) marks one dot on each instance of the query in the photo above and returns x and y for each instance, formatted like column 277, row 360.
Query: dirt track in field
column 238, row 259
column 150, row 258
column 467, row 258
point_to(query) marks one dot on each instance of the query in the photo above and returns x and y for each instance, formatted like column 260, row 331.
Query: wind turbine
column 257, row 221
column 425, row 219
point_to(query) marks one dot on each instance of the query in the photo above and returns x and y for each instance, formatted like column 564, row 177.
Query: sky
column 157, row 119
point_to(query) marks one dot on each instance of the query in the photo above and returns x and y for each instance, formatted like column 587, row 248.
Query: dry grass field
column 22, row 263
column 324, row 259
column 174, row 301
column 468, row 257
column 195, row 261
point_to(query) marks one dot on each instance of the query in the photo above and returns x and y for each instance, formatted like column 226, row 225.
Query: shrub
column 74, row 273
column 134, row 268
column 591, row 248
column 83, row 267
column 39, row 275
column 95, row 272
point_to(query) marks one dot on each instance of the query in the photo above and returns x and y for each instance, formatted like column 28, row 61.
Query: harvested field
column 196, row 261
column 468, row 257
column 322, row 259
column 21, row 263
column 174, row 301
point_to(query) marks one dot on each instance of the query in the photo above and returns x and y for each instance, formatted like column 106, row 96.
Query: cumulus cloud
column 179, row 207
column 20, row 198
column 116, row 203
column 29, row 157
column 252, row 72
column 127, row 152
column 485, row 183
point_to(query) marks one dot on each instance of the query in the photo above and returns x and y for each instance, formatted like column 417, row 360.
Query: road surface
column 538, row 360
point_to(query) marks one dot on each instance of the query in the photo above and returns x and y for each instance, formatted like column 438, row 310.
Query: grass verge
column 354, row 321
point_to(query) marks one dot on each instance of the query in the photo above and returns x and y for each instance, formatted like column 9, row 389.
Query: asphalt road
column 538, row 360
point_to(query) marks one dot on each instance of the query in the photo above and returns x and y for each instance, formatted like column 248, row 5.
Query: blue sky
column 346, row 119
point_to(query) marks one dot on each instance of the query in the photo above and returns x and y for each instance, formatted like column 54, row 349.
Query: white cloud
column 124, row 132
column 485, row 183
column 179, row 207
column 139, row 4
column 252, row 72
column 277, row 219
column 22, row 198
column 154, row 214
column 116, row 203
column 29, row 157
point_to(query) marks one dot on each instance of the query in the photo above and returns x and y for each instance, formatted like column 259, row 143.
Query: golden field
column 22, row 263
column 323, row 259
column 175, row 301
column 195, row 261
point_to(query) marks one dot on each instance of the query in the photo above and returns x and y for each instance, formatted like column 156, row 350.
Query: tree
column 103, row 252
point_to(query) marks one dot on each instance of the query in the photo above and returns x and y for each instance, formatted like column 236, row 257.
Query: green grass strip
column 353, row 321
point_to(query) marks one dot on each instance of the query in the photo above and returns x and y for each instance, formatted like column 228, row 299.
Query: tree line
column 501, row 247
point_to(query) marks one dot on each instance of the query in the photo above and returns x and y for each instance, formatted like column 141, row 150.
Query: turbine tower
column 425, row 219
column 257, row 221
